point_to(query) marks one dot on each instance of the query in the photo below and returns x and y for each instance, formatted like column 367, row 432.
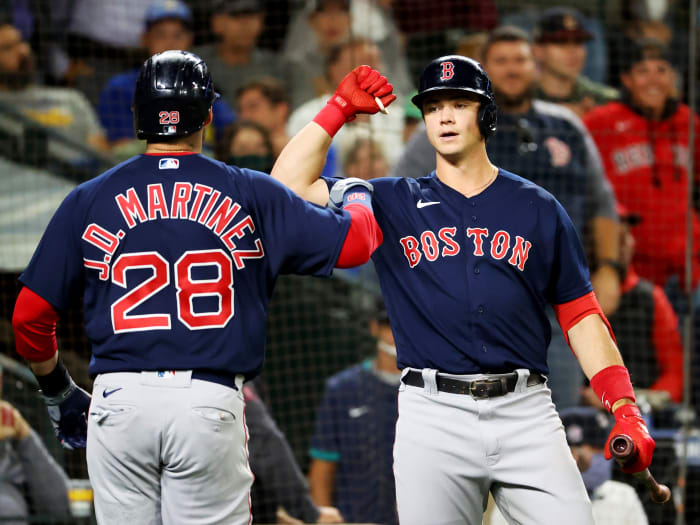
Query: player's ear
column 209, row 118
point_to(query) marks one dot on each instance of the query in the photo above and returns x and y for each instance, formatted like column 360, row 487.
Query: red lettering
column 410, row 250
column 238, row 232
column 240, row 255
column 448, row 70
column 101, row 238
column 500, row 244
column 130, row 206
column 430, row 245
column 156, row 202
column 520, row 252
column 210, row 204
column 181, row 196
column 223, row 215
column 447, row 236
column 201, row 191
column 479, row 234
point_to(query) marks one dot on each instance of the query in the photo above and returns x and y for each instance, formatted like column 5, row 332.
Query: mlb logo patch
column 168, row 164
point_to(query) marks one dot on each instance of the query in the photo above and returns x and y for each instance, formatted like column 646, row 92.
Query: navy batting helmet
column 174, row 93
column 458, row 73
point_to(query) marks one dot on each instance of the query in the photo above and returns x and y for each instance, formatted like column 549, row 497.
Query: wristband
column 612, row 384
column 55, row 382
column 331, row 118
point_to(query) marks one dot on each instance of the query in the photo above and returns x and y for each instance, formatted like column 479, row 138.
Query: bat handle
column 623, row 450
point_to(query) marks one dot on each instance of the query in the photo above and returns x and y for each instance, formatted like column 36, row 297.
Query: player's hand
column 628, row 421
column 12, row 424
column 68, row 412
column 355, row 93
column 330, row 515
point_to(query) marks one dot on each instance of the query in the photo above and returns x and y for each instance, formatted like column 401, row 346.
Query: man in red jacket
column 643, row 141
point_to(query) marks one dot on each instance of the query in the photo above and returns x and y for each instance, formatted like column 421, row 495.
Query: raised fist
column 628, row 421
column 355, row 93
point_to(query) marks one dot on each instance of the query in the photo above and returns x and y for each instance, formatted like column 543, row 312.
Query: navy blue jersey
column 466, row 280
column 177, row 257
column 355, row 427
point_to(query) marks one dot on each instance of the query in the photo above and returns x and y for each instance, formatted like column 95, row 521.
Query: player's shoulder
column 526, row 189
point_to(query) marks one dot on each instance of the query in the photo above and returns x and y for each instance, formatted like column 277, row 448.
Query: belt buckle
column 480, row 389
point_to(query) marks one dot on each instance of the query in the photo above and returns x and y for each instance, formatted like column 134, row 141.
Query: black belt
column 213, row 376
column 493, row 386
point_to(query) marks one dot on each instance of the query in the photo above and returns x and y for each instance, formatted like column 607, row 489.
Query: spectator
column 351, row 449
column 234, row 57
column 548, row 145
column 101, row 39
column 62, row 109
column 365, row 160
column 561, row 54
column 264, row 101
column 646, row 328
column 247, row 144
column 643, row 140
column 385, row 129
column 643, row 19
column 168, row 25
column 614, row 502
column 324, row 24
column 31, row 482
column 279, row 482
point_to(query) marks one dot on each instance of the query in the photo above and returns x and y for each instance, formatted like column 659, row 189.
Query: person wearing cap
column 31, row 482
column 351, row 448
column 646, row 328
column 613, row 502
column 560, row 51
column 547, row 144
column 234, row 57
column 168, row 25
column 644, row 144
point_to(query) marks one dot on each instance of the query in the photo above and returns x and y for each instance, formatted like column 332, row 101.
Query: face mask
column 386, row 348
column 598, row 473
column 650, row 10
column 253, row 162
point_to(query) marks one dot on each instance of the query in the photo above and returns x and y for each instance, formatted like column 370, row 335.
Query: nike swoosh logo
column 106, row 393
column 420, row 204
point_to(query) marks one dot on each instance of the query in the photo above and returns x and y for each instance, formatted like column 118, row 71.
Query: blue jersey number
column 188, row 288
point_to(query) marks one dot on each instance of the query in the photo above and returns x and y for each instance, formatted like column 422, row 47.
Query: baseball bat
column 623, row 450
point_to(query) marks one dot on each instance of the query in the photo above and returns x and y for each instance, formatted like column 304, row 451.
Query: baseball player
column 471, row 256
column 176, row 256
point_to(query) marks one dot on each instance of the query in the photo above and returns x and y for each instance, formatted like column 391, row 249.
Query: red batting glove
column 628, row 421
column 355, row 94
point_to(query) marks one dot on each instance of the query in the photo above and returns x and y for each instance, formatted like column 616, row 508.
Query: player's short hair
column 271, row 88
column 506, row 33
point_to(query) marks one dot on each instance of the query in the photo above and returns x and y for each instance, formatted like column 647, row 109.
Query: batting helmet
column 458, row 73
column 174, row 93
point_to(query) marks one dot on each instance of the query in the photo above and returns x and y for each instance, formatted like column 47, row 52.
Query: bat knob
column 622, row 447
column 661, row 495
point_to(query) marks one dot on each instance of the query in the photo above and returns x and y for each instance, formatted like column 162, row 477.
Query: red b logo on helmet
column 448, row 70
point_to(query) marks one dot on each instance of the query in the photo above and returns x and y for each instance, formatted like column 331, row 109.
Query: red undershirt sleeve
column 570, row 313
column 363, row 237
column 34, row 323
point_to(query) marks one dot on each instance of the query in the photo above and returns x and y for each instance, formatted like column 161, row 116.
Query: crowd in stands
column 593, row 106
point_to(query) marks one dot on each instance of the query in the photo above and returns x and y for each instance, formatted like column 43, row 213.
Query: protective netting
column 597, row 116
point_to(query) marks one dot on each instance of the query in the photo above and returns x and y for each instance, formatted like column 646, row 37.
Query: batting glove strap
column 331, row 118
column 350, row 191
column 628, row 421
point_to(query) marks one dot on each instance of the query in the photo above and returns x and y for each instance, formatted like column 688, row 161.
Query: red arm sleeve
column 667, row 346
column 568, row 314
column 34, row 323
column 364, row 236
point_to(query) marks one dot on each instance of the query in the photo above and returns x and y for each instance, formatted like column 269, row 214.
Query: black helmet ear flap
column 488, row 119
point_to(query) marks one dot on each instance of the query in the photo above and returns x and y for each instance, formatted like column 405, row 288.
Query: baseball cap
column 237, row 7
column 585, row 425
column 638, row 50
column 168, row 9
column 627, row 216
column 560, row 24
